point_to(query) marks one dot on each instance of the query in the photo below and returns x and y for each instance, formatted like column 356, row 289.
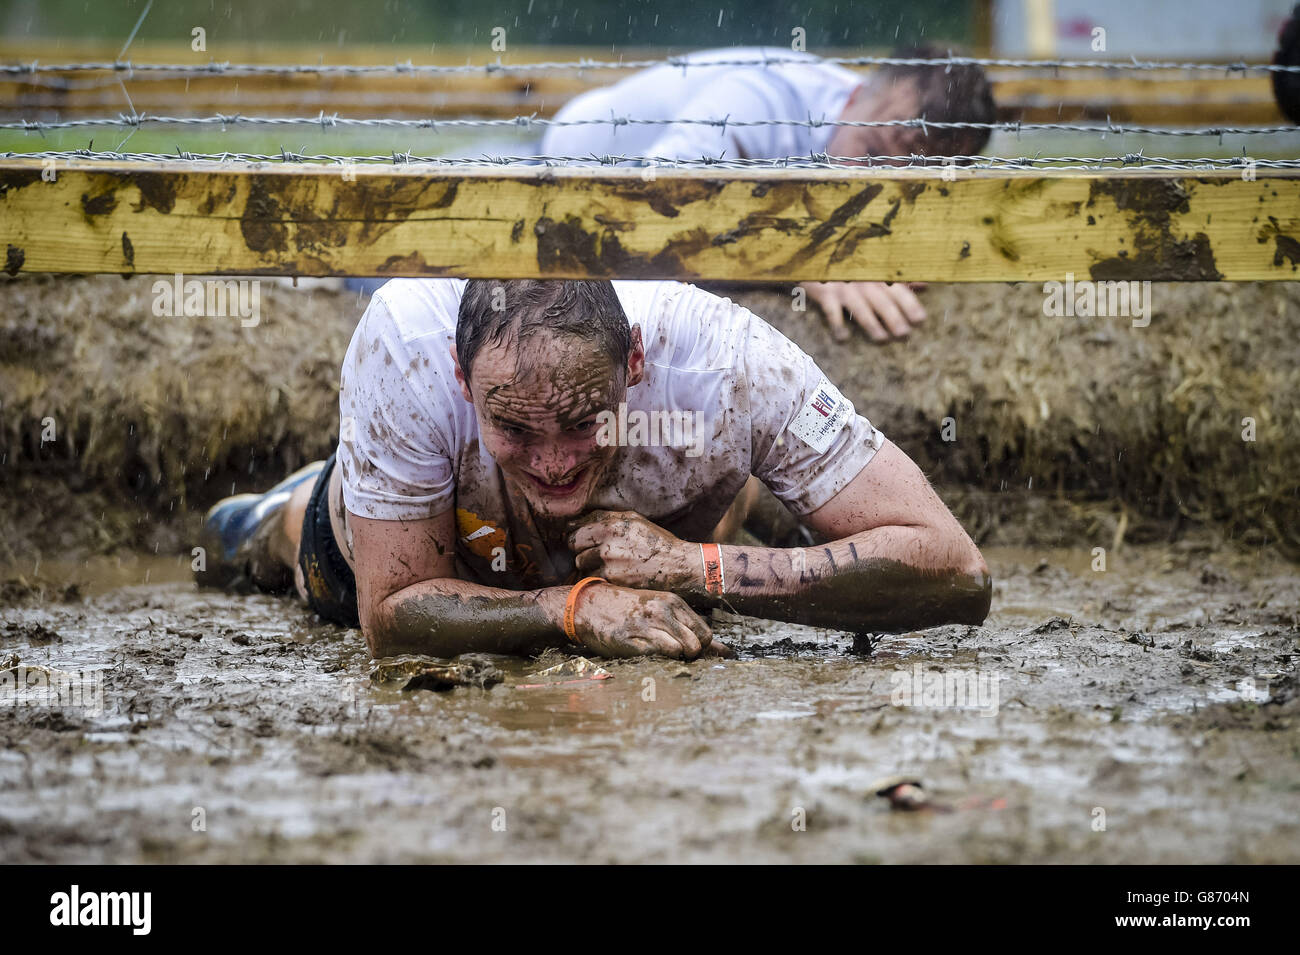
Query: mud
column 1157, row 697
column 238, row 729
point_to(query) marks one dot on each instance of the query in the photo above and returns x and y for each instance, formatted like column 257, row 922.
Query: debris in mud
column 786, row 647
column 1212, row 575
column 908, row 795
column 12, row 665
column 864, row 644
column 33, row 632
column 574, row 670
column 905, row 795
column 417, row 672
column 578, row 666
column 1047, row 626
column 19, row 588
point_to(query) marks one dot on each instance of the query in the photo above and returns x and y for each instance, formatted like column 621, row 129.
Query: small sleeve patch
column 821, row 417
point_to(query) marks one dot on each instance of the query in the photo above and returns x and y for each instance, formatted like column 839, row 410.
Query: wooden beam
column 766, row 225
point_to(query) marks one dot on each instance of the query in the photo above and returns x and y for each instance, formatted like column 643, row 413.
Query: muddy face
column 900, row 101
column 538, row 418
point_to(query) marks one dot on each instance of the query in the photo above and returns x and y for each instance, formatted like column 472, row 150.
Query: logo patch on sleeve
column 821, row 416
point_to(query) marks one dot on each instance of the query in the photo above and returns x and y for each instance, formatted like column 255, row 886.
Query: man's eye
column 514, row 431
column 586, row 427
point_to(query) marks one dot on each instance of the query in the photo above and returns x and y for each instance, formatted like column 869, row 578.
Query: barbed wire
column 329, row 121
column 584, row 65
column 955, row 163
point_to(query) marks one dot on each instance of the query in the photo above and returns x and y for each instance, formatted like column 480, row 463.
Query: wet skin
column 899, row 559
column 538, row 421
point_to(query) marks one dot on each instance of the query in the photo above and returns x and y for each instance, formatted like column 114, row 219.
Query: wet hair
column 493, row 311
column 958, row 94
column 1286, row 86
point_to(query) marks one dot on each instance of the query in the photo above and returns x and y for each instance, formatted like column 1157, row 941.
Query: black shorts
column 331, row 585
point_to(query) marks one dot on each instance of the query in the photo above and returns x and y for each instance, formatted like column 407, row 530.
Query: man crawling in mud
column 534, row 464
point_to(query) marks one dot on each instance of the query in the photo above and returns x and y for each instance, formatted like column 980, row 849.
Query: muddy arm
column 446, row 617
column 842, row 587
column 410, row 600
column 898, row 560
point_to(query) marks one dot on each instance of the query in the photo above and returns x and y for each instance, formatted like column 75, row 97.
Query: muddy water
column 237, row 729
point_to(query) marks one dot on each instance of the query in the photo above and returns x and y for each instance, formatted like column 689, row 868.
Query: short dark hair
column 491, row 309
column 949, row 94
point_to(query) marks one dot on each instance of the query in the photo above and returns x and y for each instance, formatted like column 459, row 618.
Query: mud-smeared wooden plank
column 763, row 226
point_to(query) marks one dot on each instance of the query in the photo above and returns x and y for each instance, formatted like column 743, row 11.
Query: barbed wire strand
column 956, row 163
column 584, row 65
column 329, row 121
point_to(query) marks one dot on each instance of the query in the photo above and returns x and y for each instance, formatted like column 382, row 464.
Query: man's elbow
column 977, row 589
column 377, row 629
column 377, row 641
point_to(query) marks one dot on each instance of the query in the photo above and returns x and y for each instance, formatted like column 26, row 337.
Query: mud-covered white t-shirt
column 806, row 90
column 724, row 396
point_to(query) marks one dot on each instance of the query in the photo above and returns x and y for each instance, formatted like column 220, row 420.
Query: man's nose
column 554, row 460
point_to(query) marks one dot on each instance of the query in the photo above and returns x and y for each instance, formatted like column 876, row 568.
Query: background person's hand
column 621, row 622
column 885, row 310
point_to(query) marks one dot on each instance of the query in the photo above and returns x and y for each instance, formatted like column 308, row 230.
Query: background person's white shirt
column 410, row 446
column 809, row 89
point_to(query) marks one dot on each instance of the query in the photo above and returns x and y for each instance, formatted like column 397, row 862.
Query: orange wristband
column 571, row 606
column 715, row 580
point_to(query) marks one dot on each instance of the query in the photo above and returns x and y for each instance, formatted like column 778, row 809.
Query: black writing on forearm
column 849, row 585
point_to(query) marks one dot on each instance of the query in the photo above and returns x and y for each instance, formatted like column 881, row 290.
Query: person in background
column 805, row 89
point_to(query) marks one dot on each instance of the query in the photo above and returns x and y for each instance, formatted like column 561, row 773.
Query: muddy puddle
column 1147, row 713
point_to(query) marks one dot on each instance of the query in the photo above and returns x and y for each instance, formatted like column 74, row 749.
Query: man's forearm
column 446, row 617
column 881, row 580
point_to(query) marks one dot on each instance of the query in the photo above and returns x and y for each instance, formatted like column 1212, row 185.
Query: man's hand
column 886, row 310
column 628, row 550
column 620, row 622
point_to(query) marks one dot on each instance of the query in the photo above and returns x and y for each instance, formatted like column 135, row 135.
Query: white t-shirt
column 742, row 399
column 809, row 89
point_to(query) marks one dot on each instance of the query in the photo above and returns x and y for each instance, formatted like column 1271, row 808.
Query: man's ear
column 461, row 378
column 636, row 359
